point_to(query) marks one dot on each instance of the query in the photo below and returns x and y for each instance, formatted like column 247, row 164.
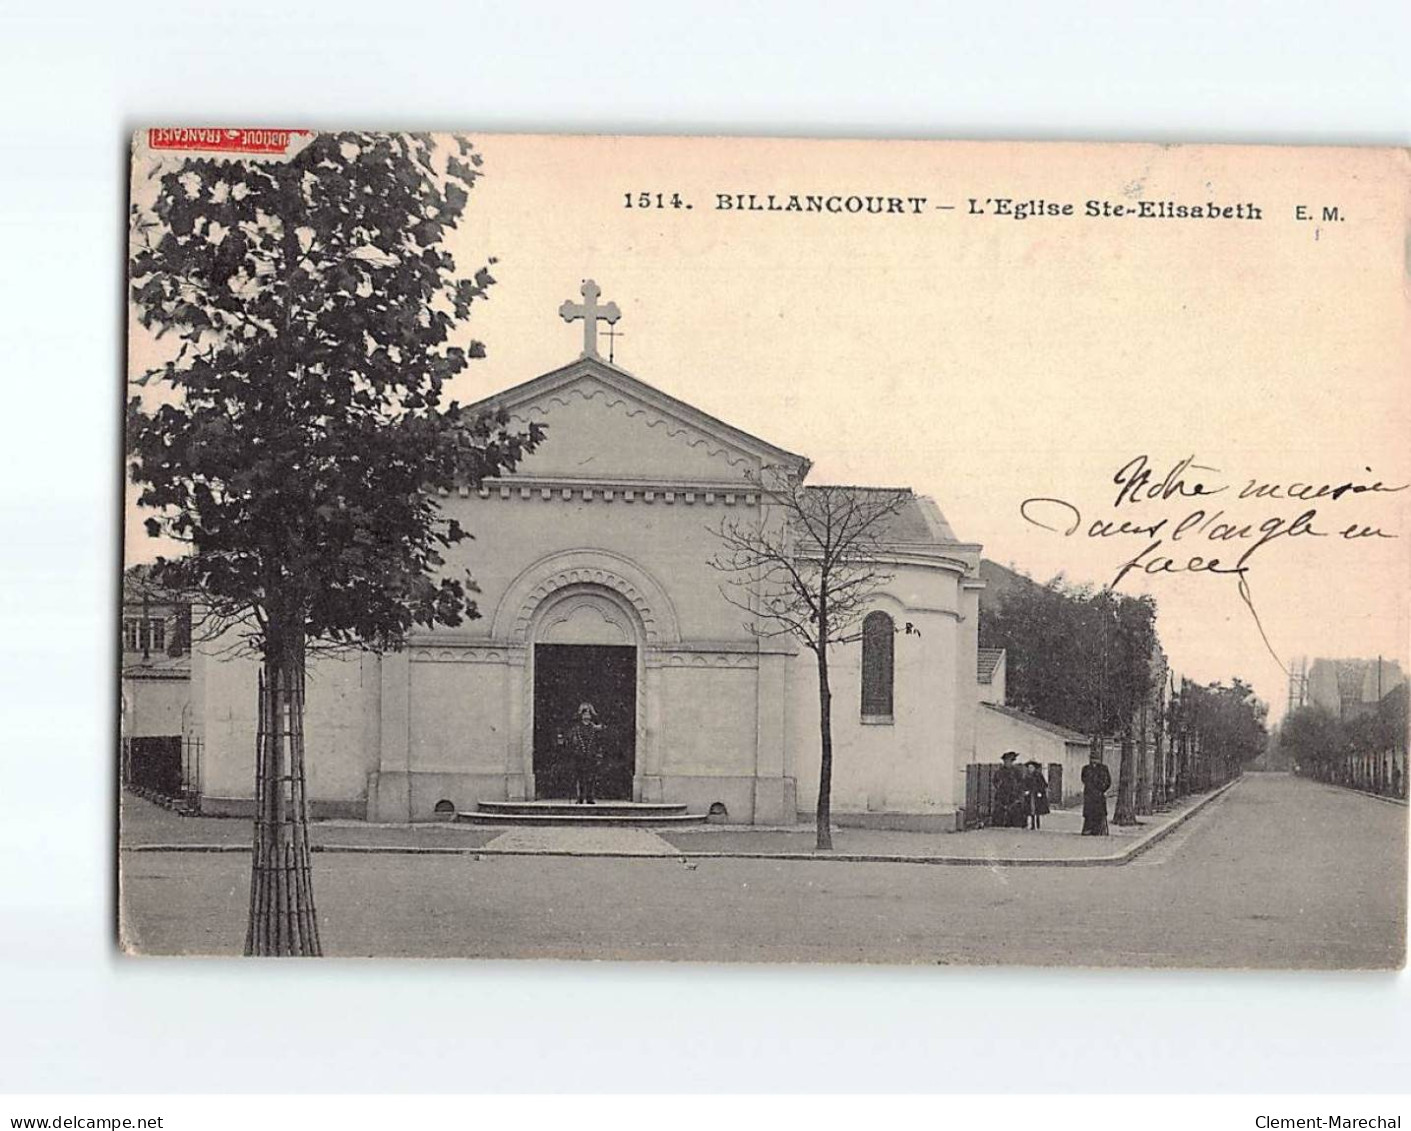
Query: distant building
column 154, row 710
column 1370, row 697
column 1347, row 689
column 989, row 674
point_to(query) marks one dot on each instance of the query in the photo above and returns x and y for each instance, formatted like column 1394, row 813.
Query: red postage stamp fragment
column 263, row 142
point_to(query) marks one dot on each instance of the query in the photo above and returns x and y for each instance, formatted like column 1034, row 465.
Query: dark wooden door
column 155, row 764
column 566, row 675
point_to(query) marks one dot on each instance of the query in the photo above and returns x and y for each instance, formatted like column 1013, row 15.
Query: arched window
column 877, row 643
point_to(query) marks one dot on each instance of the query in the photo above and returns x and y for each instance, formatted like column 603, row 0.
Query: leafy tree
column 1312, row 737
column 1042, row 630
column 807, row 567
column 1128, row 644
column 296, row 439
column 1341, row 750
column 1229, row 724
column 1079, row 658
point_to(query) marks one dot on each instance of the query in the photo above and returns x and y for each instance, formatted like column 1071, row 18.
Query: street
column 1281, row 872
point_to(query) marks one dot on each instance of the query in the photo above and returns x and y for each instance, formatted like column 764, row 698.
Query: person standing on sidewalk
column 1035, row 792
column 1008, row 796
column 1097, row 780
column 584, row 741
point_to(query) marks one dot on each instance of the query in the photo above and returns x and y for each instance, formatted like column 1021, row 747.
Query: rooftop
column 918, row 520
column 986, row 661
column 1034, row 721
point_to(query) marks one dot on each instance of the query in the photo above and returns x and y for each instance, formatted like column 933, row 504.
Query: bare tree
column 806, row 565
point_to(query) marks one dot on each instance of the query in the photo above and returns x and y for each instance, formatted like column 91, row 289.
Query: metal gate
column 980, row 791
column 154, row 765
column 165, row 769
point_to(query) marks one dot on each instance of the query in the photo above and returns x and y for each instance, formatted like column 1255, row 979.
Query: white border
column 76, row 82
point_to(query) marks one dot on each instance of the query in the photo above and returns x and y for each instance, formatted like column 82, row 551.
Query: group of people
column 1020, row 797
column 1019, row 800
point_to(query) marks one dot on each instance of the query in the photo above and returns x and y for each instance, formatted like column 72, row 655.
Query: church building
column 595, row 586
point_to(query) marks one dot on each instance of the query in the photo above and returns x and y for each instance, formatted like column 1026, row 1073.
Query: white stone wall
column 965, row 687
column 997, row 733
column 337, row 761
column 459, row 715
column 227, row 690
column 909, row 765
column 154, row 707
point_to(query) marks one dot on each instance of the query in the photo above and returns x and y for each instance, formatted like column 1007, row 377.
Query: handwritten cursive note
column 1194, row 519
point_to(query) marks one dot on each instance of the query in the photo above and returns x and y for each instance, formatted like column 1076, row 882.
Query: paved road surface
column 1281, row 872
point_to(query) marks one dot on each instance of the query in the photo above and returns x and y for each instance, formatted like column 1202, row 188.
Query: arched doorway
column 585, row 650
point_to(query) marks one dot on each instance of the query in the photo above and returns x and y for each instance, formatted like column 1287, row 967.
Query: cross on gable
column 590, row 312
column 612, row 334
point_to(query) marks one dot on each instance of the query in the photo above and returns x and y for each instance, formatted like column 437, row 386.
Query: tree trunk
column 1124, row 813
column 1143, row 799
column 282, row 916
column 1158, row 759
column 1183, row 764
column 825, row 764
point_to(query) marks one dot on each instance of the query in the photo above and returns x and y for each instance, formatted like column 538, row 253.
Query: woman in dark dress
column 1097, row 780
column 1035, row 793
column 1008, row 796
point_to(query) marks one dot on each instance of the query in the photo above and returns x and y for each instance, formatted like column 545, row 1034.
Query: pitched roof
column 987, row 660
column 1038, row 723
column 157, row 666
column 635, row 387
column 917, row 521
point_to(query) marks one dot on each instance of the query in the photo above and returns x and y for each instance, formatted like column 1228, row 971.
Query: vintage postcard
column 735, row 549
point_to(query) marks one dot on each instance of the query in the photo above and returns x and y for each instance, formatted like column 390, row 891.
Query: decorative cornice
column 747, row 645
column 460, row 654
column 708, row 653
column 173, row 675
column 644, row 491
column 694, row 658
column 928, row 557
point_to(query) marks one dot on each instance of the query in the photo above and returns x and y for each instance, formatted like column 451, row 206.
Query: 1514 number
column 653, row 200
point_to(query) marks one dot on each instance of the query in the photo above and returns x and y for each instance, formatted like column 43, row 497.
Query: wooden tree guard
column 282, row 917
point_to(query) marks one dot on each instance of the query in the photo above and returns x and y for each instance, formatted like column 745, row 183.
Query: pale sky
column 983, row 359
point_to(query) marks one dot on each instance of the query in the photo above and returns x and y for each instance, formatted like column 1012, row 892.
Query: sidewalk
column 1059, row 842
column 1390, row 799
column 150, row 828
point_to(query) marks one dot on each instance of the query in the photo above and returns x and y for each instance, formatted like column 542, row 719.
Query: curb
column 1353, row 789
column 1161, row 834
column 1115, row 859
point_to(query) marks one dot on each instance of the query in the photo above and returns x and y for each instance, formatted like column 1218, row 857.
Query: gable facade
column 592, row 563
